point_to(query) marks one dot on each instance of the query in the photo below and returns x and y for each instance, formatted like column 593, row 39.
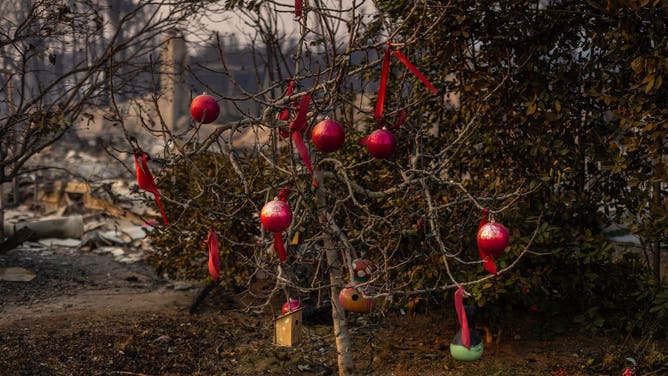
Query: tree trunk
column 657, row 238
column 341, row 333
column 2, row 206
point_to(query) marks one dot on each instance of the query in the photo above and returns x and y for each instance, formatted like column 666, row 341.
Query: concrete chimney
column 174, row 100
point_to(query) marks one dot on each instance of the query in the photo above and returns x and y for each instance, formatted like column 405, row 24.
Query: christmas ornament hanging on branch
column 328, row 136
column 492, row 239
column 204, row 109
column 291, row 305
column 381, row 143
column 276, row 217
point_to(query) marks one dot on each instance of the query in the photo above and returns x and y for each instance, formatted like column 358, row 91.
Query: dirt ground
column 87, row 314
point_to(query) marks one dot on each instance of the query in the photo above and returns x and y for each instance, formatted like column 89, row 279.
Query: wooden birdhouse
column 288, row 328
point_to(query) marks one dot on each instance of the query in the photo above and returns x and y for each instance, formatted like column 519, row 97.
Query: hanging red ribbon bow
column 214, row 257
column 461, row 316
column 146, row 182
column 285, row 114
column 382, row 88
column 413, row 69
column 487, row 259
column 297, row 126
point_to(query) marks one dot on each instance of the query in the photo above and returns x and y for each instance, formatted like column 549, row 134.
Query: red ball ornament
column 276, row 216
column 204, row 109
column 492, row 238
column 328, row 135
column 381, row 143
column 353, row 300
column 291, row 305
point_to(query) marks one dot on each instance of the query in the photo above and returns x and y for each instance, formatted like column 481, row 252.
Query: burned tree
column 395, row 203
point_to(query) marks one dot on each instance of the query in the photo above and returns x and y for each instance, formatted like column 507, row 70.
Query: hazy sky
column 228, row 23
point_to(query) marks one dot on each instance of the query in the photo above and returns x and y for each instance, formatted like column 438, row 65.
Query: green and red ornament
column 276, row 217
column 204, row 109
column 362, row 269
column 492, row 239
column 145, row 180
column 466, row 345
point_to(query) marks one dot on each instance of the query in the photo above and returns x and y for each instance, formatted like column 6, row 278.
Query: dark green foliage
column 210, row 196
column 568, row 98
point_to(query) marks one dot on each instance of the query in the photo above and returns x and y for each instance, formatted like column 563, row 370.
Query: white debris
column 16, row 274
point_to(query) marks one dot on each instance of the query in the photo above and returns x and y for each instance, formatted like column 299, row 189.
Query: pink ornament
column 492, row 238
column 291, row 305
column 381, row 143
column 204, row 109
column 328, row 136
column 276, row 216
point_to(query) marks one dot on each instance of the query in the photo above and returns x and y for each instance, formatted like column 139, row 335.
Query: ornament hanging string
column 214, row 257
column 461, row 316
column 487, row 259
column 146, row 182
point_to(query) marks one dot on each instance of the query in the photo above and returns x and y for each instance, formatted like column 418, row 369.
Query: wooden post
column 2, row 204
column 14, row 133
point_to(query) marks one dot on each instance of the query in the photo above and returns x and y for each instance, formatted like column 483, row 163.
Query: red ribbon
column 283, row 194
column 297, row 126
column 298, row 9
column 279, row 247
column 382, row 88
column 461, row 315
column 285, row 114
column 146, row 182
column 487, row 259
column 214, row 258
column 413, row 69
